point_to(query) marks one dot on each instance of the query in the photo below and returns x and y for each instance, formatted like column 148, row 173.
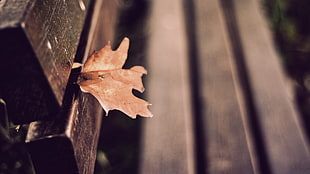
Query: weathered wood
column 167, row 138
column 68, row 143
column 38, row 43
column 226, row 145
column 269, row 107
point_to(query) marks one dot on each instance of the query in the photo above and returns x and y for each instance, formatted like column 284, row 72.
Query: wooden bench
column 219, row 94
column 39, row 42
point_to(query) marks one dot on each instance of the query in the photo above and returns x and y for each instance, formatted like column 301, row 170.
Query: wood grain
column 39, row 40
column 68, row 143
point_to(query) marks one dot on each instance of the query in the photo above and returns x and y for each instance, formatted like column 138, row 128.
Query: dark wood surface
column 54, row 29
column 39, row 40
column 68, row 143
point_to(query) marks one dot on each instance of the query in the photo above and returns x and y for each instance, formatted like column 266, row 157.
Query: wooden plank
column 227, row 147
column 54, row 29
column 68, row 143
column 38, row 43
column 167, row 145
column 23, row 86
column 282, row 134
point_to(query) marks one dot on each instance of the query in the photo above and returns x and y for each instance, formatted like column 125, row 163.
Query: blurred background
column 119, row 143
column 289, row 22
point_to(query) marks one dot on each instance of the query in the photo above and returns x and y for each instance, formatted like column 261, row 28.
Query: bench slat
column 68, row 143
column 167, row 137
column 227, row 149
column 39, row 40
column 282, row 133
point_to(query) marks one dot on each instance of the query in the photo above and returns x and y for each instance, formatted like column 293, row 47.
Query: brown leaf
column 104, row 78
column 106, row 59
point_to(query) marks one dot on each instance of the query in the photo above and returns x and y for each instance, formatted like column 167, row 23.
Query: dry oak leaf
column 103, row 77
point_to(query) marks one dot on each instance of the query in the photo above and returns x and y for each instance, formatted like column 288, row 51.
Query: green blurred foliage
column 290, row 23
